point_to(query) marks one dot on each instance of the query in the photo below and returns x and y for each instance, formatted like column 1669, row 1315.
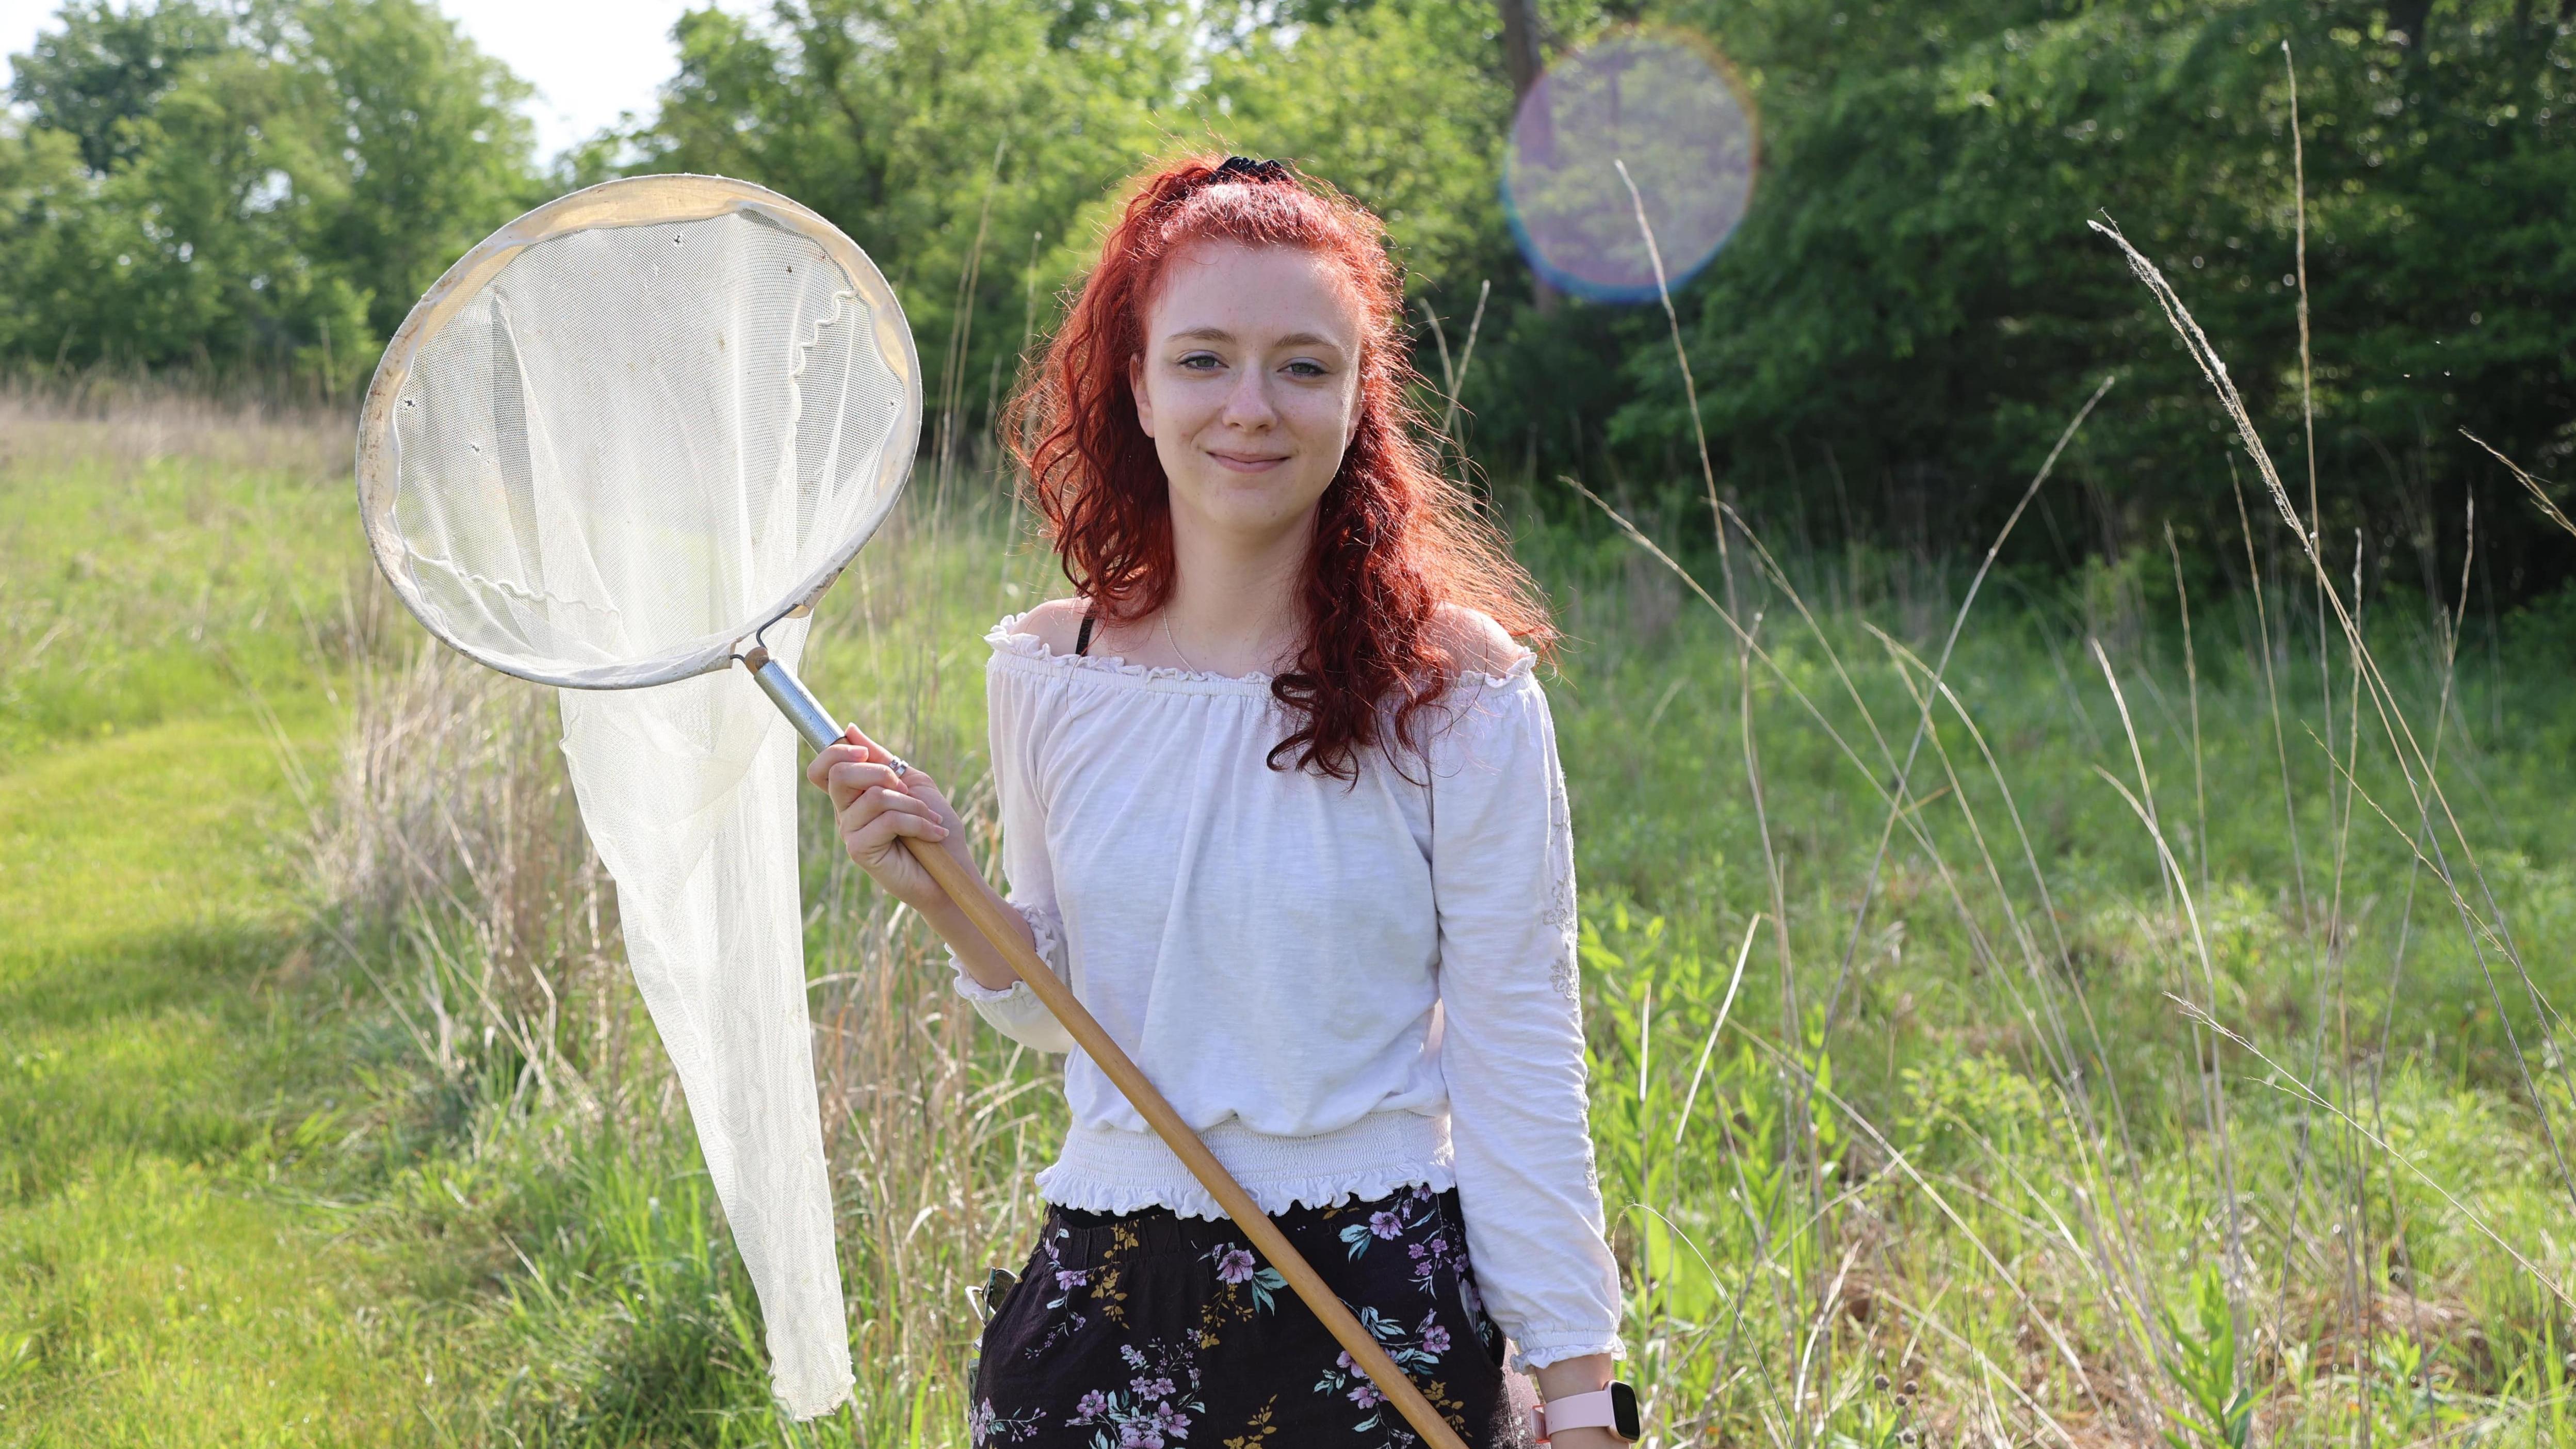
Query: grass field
column 175, row 1264
column 2151, row 1082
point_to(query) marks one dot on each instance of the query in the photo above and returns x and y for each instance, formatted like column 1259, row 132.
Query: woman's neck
column 1235, row 607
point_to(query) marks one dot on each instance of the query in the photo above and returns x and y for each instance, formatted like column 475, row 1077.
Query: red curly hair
column 1395, row 541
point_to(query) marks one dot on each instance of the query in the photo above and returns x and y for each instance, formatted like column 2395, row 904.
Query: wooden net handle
column 999, row 924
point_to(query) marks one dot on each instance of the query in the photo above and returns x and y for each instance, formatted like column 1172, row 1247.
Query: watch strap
column 1598, row 1409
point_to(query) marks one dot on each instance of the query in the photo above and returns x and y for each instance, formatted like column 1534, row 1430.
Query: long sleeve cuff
column 1015, row 1011
column 976, row 991
column 1546, row 1347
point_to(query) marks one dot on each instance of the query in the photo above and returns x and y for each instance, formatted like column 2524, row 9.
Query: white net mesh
column 689, row 790
column 600, row 457
column 635, row 443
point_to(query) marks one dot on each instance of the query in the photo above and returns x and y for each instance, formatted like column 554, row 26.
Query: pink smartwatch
column 1613, row 1408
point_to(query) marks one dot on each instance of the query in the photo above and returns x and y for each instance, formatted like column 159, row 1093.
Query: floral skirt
column 1152, row 1331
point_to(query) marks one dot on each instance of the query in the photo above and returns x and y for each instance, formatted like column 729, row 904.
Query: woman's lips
column 1247, row 463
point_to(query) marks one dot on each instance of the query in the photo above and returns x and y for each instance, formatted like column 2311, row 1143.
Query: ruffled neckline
column 1009, row 643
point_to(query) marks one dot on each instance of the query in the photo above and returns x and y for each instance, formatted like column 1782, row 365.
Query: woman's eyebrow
column 1219, row 334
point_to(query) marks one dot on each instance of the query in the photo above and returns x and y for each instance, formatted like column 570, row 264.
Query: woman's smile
column 1247, row 462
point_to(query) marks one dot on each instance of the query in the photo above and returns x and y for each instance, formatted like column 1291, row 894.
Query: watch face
column 1623, row 1413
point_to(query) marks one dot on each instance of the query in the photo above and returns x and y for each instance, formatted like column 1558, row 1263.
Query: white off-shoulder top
column 1346, row 989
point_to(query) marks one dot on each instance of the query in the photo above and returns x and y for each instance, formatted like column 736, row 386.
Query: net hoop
column 629, row 201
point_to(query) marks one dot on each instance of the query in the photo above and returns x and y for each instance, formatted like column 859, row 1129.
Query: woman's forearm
column 1573, row 1376
column 1576, row 1376
column 982, row 959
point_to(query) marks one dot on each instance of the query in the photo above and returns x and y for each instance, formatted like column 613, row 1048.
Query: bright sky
column 588, row 59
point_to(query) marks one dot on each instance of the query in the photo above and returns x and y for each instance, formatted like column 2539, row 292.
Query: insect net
column 619, row 437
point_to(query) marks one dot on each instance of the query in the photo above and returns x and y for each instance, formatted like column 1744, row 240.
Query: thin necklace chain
column 1175, row 643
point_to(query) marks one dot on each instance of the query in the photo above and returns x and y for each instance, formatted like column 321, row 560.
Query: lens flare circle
column 1661, row 102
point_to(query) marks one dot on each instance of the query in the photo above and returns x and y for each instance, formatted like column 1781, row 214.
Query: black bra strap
column 1082, row 636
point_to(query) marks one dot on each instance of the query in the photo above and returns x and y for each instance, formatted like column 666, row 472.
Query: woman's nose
column 1247, row 403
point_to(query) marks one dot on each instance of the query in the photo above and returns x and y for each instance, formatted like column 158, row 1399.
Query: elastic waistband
column 1158, row 1232
column 1106, row 1170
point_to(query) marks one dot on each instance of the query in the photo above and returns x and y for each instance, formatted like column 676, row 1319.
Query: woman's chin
column 1252, row 508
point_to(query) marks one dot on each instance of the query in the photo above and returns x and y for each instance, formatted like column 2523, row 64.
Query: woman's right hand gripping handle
column 875, row 811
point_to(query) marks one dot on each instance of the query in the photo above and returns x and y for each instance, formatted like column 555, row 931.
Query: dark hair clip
column 1245, row 168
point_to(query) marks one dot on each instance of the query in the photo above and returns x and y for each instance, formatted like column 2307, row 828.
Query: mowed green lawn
column 174, row 1264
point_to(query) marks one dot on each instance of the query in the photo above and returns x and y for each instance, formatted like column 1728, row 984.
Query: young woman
column 1280, row 799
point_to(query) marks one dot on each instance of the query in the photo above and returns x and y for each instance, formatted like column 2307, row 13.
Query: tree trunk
column 1521, row 62
column 1520, row 45
column 2410, row 17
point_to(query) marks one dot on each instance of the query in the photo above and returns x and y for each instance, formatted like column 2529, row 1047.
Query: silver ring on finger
column 900, row 768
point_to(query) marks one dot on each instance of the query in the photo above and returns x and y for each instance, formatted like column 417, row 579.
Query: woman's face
column 1249, row 385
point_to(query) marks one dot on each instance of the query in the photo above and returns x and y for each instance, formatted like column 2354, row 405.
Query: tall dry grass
column 138, row 419
column 450, row 870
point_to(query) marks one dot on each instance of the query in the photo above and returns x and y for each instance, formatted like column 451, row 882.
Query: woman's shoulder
column 1057, row 624
column 1477, row 654
column 1039, row 647
column 1478, row 649
column 1492, row 704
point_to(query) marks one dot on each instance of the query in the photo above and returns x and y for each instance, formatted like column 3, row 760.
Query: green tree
column 267, row 188
column 108, row 67
column 190, row 250
column 1421, row 142
column 1915, row 305
column 422, row 145
column 40, row 237
column 948, row 137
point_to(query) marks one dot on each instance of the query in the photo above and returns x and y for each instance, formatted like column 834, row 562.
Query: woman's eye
column 1303, row 368
column 1202, row 362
